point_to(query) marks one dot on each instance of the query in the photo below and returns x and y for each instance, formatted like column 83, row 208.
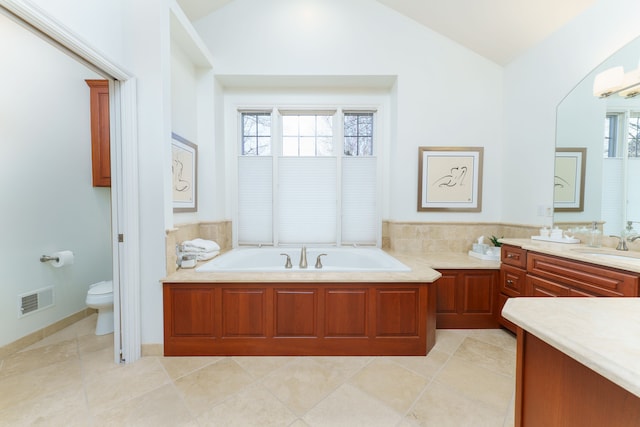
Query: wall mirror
column 607, row 130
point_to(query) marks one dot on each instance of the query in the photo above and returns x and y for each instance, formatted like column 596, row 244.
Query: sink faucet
column 622, row 243
column 303, row 257
column 633, row 237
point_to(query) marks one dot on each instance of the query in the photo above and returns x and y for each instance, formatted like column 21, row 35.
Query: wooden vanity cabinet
column 100, row 132
column 467, row 299
column 532, row 274
column 512, row 281
column 564, row 277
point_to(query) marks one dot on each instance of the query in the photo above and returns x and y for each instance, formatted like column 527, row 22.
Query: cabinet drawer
column 512, row 281
column 584, row 277
column 502, row 300
column 512, row 255
column 537, row 287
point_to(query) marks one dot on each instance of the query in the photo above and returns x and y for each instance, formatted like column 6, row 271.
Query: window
column 610, row 135
column 307, row 134
column 256, row 134
column 358, row 134
column 633, row 138
column 293, row 186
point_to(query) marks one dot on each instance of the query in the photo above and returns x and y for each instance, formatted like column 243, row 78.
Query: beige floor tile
column 66, row 406
column 427, row 366
column 91, row 343
column 121, row 383
column 349, row 406
column 443, row 406
column 206, row 387
column 39, row 357
column 253, row 406
column 298, row 423
column 478, row 383
column 393, row 384
column 158, row 408
column 489, row 356
column 261, row 366
column 177, row 367
column 500, row 337
column 302, row 383
column 448, row 340
column 343, row 366
column 40, row 383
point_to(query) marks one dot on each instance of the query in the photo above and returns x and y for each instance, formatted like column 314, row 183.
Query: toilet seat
column 100, row 288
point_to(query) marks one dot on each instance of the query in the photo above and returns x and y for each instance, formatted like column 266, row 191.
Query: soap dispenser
column 595, row 236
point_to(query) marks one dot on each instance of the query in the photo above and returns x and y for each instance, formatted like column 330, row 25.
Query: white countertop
column 601, row 333
column 423, row 269
column 623, row 260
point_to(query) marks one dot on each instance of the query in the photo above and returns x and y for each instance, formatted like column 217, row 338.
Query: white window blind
column 255, row 200
column 307, row 200
column 359, row 197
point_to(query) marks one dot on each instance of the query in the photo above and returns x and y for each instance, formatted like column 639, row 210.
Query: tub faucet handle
column 287, row 264
column 318, row 262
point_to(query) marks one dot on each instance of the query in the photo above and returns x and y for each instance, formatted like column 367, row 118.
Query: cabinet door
column 100, row 132
column 467, row 299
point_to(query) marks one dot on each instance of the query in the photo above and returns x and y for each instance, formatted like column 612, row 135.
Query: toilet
column 100, row 297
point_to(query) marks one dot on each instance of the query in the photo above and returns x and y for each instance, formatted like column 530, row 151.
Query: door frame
column 125, row 229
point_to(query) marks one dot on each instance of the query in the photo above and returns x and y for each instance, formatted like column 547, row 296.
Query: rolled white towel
column 202, row 256
column 200, row 245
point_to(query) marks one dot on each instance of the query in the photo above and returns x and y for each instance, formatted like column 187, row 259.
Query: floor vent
column 35, row 301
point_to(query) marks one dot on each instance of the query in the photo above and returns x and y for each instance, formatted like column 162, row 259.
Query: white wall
column 49, row 203
column 445, row 94
column 534, row 85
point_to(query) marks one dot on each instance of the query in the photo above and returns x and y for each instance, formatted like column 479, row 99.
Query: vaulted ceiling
column 499, row 30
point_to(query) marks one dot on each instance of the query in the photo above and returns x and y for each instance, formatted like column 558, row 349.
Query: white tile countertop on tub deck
column 601, row 333
column 423, row 269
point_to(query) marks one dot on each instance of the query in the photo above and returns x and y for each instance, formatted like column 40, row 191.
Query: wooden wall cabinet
column 467, row 299
column 100, row 132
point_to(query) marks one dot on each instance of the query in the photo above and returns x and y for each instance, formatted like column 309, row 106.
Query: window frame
column 338, row 113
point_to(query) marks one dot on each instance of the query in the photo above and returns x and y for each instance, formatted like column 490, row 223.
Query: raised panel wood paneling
column 446, row 300
column 253, row 319
column 479, row 293
column 397, row 312
column 467, row 299
column 193, row 312
column 346, row 313
column 243, row 313
column 296, row 313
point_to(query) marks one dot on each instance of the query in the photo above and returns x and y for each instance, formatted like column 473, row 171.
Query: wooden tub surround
column 309, row 313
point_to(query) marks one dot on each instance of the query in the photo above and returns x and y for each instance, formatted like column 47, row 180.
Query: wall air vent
column 35, row 301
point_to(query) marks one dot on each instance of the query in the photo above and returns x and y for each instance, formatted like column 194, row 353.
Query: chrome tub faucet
column 303, row 257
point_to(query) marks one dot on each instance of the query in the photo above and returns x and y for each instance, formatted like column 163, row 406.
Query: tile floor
column 69, row 379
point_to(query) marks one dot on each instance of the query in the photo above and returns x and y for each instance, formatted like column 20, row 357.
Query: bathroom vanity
column 535, row 269
column 300, row 313
column 577, row 361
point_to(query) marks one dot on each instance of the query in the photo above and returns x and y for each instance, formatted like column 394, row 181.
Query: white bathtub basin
column 338, row 259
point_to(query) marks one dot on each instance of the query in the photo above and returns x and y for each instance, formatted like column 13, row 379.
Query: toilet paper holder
column 46, row 258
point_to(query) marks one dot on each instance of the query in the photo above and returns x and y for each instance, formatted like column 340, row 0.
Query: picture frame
column 450, row 179
column 568, row 180
column 184, row 171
